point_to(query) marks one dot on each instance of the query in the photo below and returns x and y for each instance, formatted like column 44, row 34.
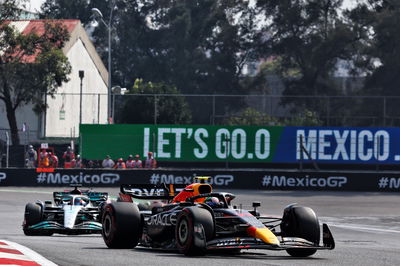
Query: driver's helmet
column 79, row 201
column 213, row 202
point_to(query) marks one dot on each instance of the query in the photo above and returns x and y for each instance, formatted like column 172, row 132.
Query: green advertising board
column 180, row 143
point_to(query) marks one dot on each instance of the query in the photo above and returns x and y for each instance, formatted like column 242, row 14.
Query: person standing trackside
column 120, row 164
column 43, row 158
column 68, row 156
column 150, row 161
column 129, row 162
column 78, row 162
column 31, row 157
column 53, row 160
column 137, row 163
column 107, row 162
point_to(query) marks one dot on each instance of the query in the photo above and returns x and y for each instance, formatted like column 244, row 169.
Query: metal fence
column 25, row 137
column 263, row 109
column 256, row 109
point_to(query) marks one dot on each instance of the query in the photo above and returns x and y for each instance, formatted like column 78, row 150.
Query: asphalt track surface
column 366, row 227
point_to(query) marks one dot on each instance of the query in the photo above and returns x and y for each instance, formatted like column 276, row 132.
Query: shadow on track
column 222, row 255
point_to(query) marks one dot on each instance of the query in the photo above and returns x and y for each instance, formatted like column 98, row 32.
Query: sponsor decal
column 344, row 144
column 391, row 183
column 81, row 178
column 231, row 242
column 219, row 143
column 273, row 144
column 220, row 180
column 162, row 219
column 147, row 192
column 3, row 176
column 307, row 181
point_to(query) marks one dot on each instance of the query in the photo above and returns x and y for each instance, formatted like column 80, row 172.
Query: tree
column 189, row 44
column 308, row 38
column 31, row 66
column 380, row 58
column 251, row 117
column 192, row 45
column 137, row 109
column 67, row 9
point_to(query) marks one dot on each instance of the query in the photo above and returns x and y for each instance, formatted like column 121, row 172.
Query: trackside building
column 62, row 116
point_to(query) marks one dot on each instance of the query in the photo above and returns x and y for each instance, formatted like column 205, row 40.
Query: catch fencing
column 255, row 109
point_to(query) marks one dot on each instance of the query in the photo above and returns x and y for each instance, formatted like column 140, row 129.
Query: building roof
column 37, row 25
column 76, row 31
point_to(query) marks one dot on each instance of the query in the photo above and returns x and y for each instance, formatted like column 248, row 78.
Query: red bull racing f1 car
column 196, row 220
column 73, row 212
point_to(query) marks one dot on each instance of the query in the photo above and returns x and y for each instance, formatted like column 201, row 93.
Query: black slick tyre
column 121, row 224
column 302, row 222
column 187, row 219
column 33, row 215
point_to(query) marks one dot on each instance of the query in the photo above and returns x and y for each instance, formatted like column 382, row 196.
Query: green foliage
column 252, row 117
column 201, row 47
column 140, row 107
column 379, row 60
column 31, row 65
column 192, row 45
column 9, row 9
column 67, row 9
column 306, row 118
column 307, row 38
column 382, row 55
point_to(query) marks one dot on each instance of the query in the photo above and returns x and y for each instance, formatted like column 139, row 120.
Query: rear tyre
column 122, row 227
column 302, row 222
column 34, row 215
column 185, row 236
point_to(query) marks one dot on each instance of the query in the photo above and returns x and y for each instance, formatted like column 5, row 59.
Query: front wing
column 286, row 243
column 55, row 227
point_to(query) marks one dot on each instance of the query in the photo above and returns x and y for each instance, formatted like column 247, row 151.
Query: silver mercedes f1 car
column 73, row 212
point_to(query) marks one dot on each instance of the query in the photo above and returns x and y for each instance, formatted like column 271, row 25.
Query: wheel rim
column 183, row 231
column 107, row 225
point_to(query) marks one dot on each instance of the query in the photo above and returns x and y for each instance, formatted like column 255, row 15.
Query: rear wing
column 93, row 196
column 148, row 191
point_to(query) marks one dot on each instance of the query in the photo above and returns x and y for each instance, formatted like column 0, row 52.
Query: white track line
column 25, row 191
column 364, row 228
column 30, row 253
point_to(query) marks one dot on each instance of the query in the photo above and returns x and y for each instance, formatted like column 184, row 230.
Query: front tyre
column 121, row 225
column 34, row 215
column 302, row 222
column 192, row 221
